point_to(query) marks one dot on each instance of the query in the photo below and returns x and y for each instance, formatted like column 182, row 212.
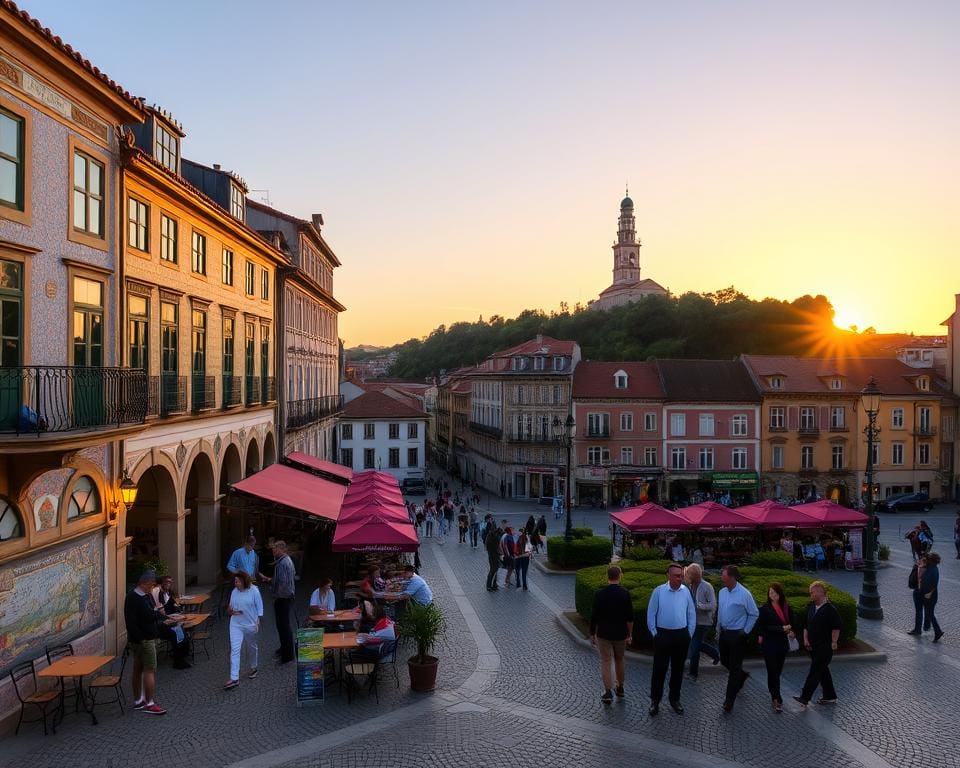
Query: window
column 237, row 202
column 198, row 251
column 346, row 432
column 166, row 150
column 776, row 458
column 650, row 457
column 138, row 224
column 808, row 419
column 678, row 458
column 838, row 417
column 923, row 384
column 87, row 322
column 539, row 363
column 776, row 382
column 836, row 457
column 264, row 357
column 706, row 458
column 84, row 500
column 806, row 457
column 248, row 282
column 228, row 330
column 264, row 284
column 168, row 338
column 199, row 345
column 620, row 380
column 923, row 421
column 897, row 454
column 597, row 455
column 168, row 239
column 896, row 418
column 650, row 422
column 88, row 191
column 598, row 424
column 626, row 422
column 369, row 431
column 250, row 351
column 413, row 457
column 923, row 453
column 778, row 417
column 875, row 455
column 138, row 325
column 738, row 426
column 413, row 431
column 559, row 363
column 626, row 455
column 706, row 425
column 226, row 267
column 556, row 394
column 12, row 163
column 10, row 525
column 393, row 458
column 519, row 395
column 678, row 424
column 346, row 456
column 394, row 431
column 369, row 457
column 739, row 458
column 11, row 318
column 836, row 383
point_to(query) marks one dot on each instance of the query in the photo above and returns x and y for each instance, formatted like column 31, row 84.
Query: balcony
column 231, row 391
column 253, row 390
column 300, row 413
column 839, row 428
column 168, row 395
column 924, row 430
column 599, row 432
column 532, row 437
column 268, row 390
column 44, row 399
column 483, row 429
column 203, row 392
column 809, row 431
column 777, row 428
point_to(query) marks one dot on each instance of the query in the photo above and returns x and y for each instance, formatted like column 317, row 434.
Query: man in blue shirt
column 417, row 589
column 671, row 619
column 245, row 559
column 736, row 616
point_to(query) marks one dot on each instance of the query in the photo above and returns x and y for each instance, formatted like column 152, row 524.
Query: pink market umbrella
column 773, row 514
column 829, row 513
column 649, row 517
column 375, row 534
column 385, row 508
column 369, row 494
column 709, row 514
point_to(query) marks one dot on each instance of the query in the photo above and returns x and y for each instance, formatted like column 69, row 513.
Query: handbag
column 793, row 644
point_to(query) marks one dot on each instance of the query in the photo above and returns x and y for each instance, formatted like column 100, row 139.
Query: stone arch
column 252, row 463
column 231, row 468
column 269, row 449
column 201, row 525
column 155, row 522
column 204, row 447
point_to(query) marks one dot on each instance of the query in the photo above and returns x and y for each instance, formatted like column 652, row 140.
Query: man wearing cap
column 143, row 629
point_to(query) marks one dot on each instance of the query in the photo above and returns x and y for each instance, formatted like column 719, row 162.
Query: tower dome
column 626, row 203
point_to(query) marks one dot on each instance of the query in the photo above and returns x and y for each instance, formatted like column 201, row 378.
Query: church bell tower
column 626, row 250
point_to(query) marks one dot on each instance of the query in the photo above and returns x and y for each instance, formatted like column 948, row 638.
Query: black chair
column 360, row 672
column 110, row 680
column 201, row 637
column 43, row 700
column 388, row 655
column 67, row 685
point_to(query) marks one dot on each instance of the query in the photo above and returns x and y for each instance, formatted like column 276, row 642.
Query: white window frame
column 707, row 425
column 626, row 455
column 807, row 457
column 835, row 412
column 835, row 452
column 776, row 457
column 650, row 421
column 738, row 425
column 896, row 454
column 705, row 458
column 678, row 424
column 651, row 456
column 923, row 454
column 778, row 417
column 678, row 458
column 896, row 418
column 738, row 458
column 626, row 422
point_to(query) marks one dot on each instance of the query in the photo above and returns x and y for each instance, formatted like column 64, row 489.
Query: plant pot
column 423, row 675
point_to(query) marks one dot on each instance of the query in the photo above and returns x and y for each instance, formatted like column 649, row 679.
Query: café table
column 192, row 603
column 339, row 642
column 193, row 620
column 76, row 667
column 189, row 624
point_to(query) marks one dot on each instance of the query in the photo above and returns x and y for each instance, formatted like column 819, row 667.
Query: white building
column 381, row 432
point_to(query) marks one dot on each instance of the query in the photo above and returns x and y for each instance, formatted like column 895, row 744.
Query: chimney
column 317, row 220
column 216, row 166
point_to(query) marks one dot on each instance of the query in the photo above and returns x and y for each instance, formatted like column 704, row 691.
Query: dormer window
column 237, row 202
column 166, row 150
column 923, row 384
column 559, row 363
column 515, row 364
column 539, row 363
column 620, row 380
column 776, row 382
column 836, row 383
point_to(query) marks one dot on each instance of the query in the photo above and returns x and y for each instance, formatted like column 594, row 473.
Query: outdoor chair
column 110, row 680
column 359, row 672
column 202, row 637
column 67, row 685
column 42, row 700
column 388, row 656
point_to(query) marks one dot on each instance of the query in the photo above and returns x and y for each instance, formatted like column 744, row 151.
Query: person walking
column 474, row 527
column 820, row 638
column 736, row 615
column 284, row 586
column 672, row 620
column 913, row 584
column 245, row 611
column 491, row 543
column 929, row 587
column 611, row 630
column 775, row 632
column 541, row 540
column 428, row 519
column 521, row 557
column 507, row 543
column 463, row 523
column 143, row 629
column 705, row 603
column 956, row 534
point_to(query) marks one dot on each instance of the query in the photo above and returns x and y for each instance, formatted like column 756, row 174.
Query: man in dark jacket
column 491, row 542
column 143, row 629
column 611, row 628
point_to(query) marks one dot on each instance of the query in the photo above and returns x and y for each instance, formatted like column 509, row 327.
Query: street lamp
column 563, row 433
column 868, row 605
column 128, row 495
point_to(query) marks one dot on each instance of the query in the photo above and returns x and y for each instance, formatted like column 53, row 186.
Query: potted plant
column 422, row 624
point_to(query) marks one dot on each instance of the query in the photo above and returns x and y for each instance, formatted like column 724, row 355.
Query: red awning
column 366, row 497
column 829, row 513
column 327, row 467
column 649, row 517
column 709, row 515
column 375, row 534
column 296, row 489
column 382, row 507
column 773, row 514
column 369, row 475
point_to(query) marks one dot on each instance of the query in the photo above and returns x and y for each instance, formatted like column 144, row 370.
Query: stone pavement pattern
column 515, row 690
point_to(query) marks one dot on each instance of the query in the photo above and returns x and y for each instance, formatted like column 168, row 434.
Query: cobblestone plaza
column 516, row 689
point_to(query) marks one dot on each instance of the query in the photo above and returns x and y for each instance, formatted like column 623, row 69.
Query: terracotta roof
column 646, row 284
column 711, row 381
column 542, row 344
column 377, row 405
column 812, row 375
column 68, row 49
column 596, row 380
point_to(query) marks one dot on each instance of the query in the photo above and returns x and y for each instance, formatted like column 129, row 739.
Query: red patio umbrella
column 370, row 475
column 370, row 507
column 829, row 513
column 649, row 517
column 773, row 514
column 709, row 515
column 375, row 533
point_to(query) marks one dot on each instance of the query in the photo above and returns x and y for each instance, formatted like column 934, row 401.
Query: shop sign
column 734, row 480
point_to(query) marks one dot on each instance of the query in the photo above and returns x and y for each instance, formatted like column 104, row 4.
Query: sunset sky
column 469, row 158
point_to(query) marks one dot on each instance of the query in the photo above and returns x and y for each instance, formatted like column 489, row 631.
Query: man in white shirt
column 671, row 619
column 323, row 600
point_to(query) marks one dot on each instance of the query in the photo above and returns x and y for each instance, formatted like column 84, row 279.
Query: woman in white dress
column 245, row 611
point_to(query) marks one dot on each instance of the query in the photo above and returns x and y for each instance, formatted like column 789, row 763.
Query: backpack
column 912, row 581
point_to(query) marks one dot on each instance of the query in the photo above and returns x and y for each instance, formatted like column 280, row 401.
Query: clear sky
column 469, row 158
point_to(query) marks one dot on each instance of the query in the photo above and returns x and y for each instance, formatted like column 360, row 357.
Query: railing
column 303, row 412
column 839, row 428
column 531, row 437
column 41, row 398
column 268, row 389
column 777, row 428
column 600, row 432
column 203, row 392
column 483, row 429
column 809, row 430
column 168, row 395
column 231, row 390
column 253, row 390
column 925, row 431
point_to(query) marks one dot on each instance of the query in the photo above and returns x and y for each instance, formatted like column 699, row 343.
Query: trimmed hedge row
column 777, row 560
column 581, row 533
column 641, row 577
column 584, row 549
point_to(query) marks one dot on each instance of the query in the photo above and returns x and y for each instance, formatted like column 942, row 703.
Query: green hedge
column 644, row 553
column 641, row 577
column 590, row 550
column 581, row 533
column 777, row 560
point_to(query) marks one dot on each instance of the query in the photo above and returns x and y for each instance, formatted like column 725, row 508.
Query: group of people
column 924, row 583
column 510, row 550
column 679, row 616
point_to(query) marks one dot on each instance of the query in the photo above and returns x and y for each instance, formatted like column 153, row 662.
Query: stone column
column 171, row 534
column 208, row 541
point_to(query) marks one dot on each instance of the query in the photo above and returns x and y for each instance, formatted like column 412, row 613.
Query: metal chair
column 360, row 671
column 110, row 680
column 202, row 637
column 388, row 655
column 40, row 699
column 58, row 652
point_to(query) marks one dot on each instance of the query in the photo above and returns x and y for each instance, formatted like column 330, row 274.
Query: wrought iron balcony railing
column 253, row 390
column 203, row 392
column 168, row 395
column 268, row 390
column 303, row 412
column 231, row 390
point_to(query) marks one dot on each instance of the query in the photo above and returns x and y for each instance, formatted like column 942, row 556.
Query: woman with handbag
column 777, row 638
column 245, row 611
column 521, row 559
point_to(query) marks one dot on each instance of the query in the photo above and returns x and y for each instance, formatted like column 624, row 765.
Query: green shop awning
column 735, row 481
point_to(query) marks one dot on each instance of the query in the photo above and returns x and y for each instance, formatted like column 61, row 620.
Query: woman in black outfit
column 774, row 630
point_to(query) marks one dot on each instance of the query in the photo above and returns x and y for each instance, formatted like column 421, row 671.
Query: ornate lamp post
column 128, row 495
column 868, row 605
column 563, row 432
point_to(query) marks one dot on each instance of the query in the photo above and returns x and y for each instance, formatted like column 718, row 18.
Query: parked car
column 413, row 486
column 905, row 502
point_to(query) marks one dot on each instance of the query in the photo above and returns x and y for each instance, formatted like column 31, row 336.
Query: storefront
column 536, row 483
column 629, row 489
column 741, row 487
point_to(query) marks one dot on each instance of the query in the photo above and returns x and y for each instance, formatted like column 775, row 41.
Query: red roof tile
column 544, row 345
column 596, row 380
column 377, row 405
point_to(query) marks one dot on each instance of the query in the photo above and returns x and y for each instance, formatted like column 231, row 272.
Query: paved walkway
column 515, row 690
